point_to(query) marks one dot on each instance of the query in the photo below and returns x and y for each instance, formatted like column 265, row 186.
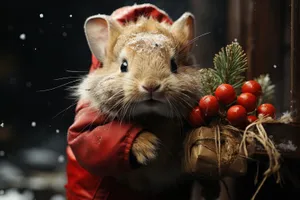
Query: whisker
column 132, row 109
column 96, row 117
column 187, row 102
column 124, row 112
column 121, row 113
column 195, row 65
column 74, row 71
column 177, row 115
column 117, row 103
column 114, row 95
column 107, row 119
column 194, row 40
column 64, row 78
column 127, row 107
column 50, row 89
column 90, row 124
column 171, row 108
column 64, row 110
column 110, row 116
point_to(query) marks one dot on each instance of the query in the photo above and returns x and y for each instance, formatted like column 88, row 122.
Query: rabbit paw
column 145, row 147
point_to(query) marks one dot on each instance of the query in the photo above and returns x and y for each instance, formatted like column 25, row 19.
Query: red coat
column 98, row 152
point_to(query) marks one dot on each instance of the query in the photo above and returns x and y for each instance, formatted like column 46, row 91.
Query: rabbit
column 148, row 78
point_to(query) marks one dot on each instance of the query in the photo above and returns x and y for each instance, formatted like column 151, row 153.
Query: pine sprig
column 229, row 64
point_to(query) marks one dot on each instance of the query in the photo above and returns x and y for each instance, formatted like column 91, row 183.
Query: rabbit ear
column 99, row 31
column 184, row 29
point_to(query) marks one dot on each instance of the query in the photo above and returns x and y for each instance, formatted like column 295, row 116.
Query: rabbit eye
column 124, row 66
column 173, row 66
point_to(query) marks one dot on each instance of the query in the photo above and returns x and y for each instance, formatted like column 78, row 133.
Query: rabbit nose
column 152, row 88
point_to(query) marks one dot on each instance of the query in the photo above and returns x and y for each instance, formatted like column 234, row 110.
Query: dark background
column 56, row 43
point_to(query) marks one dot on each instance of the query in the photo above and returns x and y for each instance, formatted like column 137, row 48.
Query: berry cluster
column 239, row 111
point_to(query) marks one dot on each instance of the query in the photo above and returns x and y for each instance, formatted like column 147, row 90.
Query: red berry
column 209, row 105
column 237, row 115
column 225, row 93
column 266, row 110
column 196, row 117
column 247, row 100
column 251, row 118
column 252, row 87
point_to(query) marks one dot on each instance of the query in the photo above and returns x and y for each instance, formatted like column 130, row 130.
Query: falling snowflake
column 57, row 130
column 28, row 84
column 61, row 159
column 2, row 124
column 2, row 153
column 274, row 66
column 41, row 15
column 33, row 124
column 235, row 41
column 71, row 16
column 35, row 48
column 23, row 36
column 64, row 34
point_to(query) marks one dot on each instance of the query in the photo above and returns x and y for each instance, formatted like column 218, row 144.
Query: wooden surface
column 210, row 17
column 265, row 45
column 286, row 137
column 295, row 58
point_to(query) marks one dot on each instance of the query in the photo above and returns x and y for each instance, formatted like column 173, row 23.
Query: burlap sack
column 213, row 152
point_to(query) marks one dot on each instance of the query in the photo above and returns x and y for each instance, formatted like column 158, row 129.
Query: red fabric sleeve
column 101, row 149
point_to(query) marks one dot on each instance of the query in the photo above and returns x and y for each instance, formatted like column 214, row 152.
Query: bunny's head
column 146, row 67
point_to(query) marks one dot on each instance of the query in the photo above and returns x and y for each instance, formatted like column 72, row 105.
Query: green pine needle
column 229, row 65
